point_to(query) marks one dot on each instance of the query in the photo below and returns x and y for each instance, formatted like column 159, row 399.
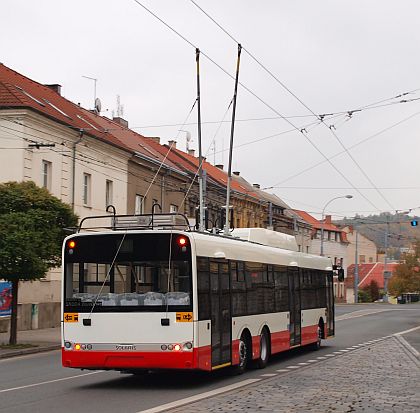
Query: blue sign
column 5, row 298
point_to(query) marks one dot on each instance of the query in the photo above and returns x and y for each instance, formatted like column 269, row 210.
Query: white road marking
column 406, row 331
column 292, row 367
column 312, row 361
column 282, row 370
column 268, row 375
column 344, row 351
column 330, row 355
column 200, row 396
column 337, row 352
column 48, row 382
column 321, row 358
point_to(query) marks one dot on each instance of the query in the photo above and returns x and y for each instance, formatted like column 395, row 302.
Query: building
column 366, row 274
column 90, row 162
column 335, row 246
column 367, row 252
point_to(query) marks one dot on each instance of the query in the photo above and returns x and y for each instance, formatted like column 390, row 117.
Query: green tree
column 373, row 289
column 32, row 223
column 406, row 278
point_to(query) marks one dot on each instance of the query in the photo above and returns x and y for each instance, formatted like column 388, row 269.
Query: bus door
column 221, row 320
column 330, row 305
column 294, row 306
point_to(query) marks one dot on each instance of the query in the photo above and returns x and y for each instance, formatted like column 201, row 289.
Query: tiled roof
column 369, row 272
column 317, row 224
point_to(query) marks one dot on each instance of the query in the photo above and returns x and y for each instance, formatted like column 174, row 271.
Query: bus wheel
column 317, row 344
column 264, row 350
column 243, row 356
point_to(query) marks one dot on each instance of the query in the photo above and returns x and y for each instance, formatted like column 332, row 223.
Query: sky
column 300, row 60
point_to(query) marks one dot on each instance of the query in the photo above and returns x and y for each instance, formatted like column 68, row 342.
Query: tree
column 406, row 278
column 373, row 289
column 32, row 223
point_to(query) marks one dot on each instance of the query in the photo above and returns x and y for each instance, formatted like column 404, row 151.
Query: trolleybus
column 148, row 293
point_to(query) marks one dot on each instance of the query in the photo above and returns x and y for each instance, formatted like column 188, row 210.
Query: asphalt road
column 38, row 383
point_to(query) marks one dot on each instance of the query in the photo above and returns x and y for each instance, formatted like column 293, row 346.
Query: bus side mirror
column 340, row 274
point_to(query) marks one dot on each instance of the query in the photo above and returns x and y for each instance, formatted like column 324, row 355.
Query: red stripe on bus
column 309, row 334
column 130, row 360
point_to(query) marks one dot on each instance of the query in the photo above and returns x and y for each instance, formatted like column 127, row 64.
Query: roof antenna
column 95, row 103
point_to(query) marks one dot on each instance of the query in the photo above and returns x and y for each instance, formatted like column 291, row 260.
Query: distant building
column 335, row 245
column 366, row 274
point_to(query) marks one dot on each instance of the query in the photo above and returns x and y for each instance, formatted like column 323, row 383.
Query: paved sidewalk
column 40, row 340
column 380, row 377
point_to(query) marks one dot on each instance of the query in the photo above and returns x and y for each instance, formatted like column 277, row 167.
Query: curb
column 5, row 354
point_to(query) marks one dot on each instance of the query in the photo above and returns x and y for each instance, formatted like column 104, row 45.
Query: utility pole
column 385, row 260
column 356, row 269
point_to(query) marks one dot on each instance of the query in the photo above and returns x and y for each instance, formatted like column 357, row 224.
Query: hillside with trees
column 401, row 235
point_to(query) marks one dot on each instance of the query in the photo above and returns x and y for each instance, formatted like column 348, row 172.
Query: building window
column 370, row 259
column 300, row 248
column 337, row 237
column 173, row 209
column 362, row 259
column 108, row 193
column 139, row 206
column 46, row 174
column 307, row 249
column 87, row 178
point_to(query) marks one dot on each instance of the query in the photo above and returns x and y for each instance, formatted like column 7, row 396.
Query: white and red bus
column 167, row 298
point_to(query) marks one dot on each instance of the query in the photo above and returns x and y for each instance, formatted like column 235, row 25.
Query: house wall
column 102, row 161
column 367, row 250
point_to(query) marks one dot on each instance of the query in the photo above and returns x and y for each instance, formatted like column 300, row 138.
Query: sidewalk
column 379, row 377
column 40, row 340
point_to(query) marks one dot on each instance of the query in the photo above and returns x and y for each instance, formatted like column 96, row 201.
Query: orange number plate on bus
column 71, row 317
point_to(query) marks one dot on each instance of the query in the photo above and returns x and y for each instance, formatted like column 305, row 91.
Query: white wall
column 100, row 160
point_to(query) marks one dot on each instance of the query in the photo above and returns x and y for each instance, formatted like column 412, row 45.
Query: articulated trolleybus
column 148, row 293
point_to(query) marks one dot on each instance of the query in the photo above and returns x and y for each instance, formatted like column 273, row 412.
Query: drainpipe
column 73, row 183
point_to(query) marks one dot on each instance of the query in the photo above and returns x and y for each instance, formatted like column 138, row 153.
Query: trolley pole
column 232, row 128
column 200, row 157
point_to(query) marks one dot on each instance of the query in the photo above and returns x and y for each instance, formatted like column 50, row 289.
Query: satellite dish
column 98, row 105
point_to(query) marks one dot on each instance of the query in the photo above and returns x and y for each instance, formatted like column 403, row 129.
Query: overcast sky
column 335, row 56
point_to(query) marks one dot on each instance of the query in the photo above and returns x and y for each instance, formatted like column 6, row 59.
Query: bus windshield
column 122, row 273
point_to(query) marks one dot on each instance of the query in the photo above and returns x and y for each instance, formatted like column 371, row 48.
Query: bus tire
column 317, row 344
column 264, row 350
column 243, row 355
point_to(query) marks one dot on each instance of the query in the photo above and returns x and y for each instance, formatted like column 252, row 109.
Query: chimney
column 327, row 219
column 154, row 138
column 220, row 166
column 191, row 152
column 237, row 173
column 120, row 121
column 172, row 144
column 256, row 186
column 55, row 87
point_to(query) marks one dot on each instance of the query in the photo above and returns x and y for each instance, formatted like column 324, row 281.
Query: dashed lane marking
column 282, row 370
column 330, row 355
column 268, row 375
column 321, row 358
column 292, row 367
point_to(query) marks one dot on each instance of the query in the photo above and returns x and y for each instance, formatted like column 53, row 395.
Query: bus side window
column 203, row 286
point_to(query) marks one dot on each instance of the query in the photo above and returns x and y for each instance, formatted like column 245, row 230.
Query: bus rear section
column 128, row 301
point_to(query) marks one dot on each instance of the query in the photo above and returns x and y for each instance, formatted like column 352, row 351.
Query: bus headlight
column 188, row 346
column 67, row 344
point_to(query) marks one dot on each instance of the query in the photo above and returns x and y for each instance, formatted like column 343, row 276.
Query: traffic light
column 414, row 222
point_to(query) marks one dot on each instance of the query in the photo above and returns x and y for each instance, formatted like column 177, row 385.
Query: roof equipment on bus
column 266, row 237
column 136, row 222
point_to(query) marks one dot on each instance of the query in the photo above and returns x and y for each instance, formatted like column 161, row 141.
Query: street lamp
column 322, row 219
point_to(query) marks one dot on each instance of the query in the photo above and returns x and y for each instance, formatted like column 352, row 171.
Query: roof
column 315, row 223
column 274, row 199
column 370, row 272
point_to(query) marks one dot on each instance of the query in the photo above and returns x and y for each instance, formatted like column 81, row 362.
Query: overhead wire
column 308, row 108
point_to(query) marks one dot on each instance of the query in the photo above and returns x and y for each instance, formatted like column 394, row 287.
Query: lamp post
column 322, row 219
